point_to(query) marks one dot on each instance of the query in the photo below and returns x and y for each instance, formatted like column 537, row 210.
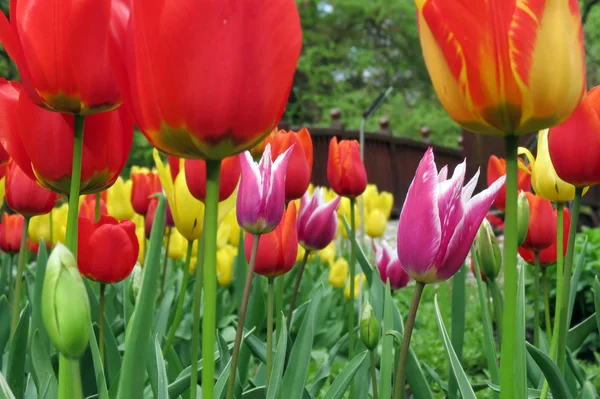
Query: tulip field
column 217, row 270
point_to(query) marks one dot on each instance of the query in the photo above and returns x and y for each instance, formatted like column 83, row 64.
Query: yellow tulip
column 234, row 228
column 375, row 223
column 118, row 200
column 358, row 281
column 177, row 245
column 59, row 224
column 327, row 254
column 141, row 236
column 344, row 211
column 223, row 235
column 385, row 202
column 225, row 259
column 311, row 189
column 2, row 190
column 338, row 273
column 39, row 227
column 544, row 179
column 329, row 194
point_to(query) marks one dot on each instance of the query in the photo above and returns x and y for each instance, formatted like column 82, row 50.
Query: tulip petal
column 273, row 202
column 468, row 189
column 443, row 175
column 250, row 191
column 419, row 228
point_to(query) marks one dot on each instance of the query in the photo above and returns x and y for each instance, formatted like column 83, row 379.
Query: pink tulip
column 439, row 220
column 317, row 221
column 261, row 196
column 389, row 266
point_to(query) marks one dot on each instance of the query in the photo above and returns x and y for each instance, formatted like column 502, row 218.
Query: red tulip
column 496, row 168
column 25, row 196
column 278, row 249
column 541, row 232
column 61, row 50
column 108, row 250
column 195, row 177
column 300, row 166
column 41, row 142
column 345, row 170
column 574, row 145
column 548, row 255
column 34, row 247
column 496, row 221
column 174, row 163
column 217, row 76
column 87, row 209
column 149, row 220
column 4, row 157
column 11, row 230
column 145, row 183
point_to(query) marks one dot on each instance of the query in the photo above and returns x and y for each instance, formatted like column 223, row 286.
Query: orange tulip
column 345, row 170
column 497, row 168
column 504, row 66
column 541, row 232
column 11, row 230
column 195, row 177
column 299, row 171
column 548, row 255
column 145, row 183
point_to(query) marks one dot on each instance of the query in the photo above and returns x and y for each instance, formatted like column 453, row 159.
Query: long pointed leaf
column 387, row 349
column 344, row 379
column 46, row 383
column 4, row 324
column 36, row 314
column 320, row 378
column 15, row 374
column 5, row 390
column 555, row 379
column 463, row 382
column 575, row 279
column 458, row 323
column 577, row 335
column 163, row 382
column 98, row 368
column 278, row 363
column 366, row 267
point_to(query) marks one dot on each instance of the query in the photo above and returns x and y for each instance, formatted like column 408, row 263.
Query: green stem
column 165, row 260
column 71, row 236
column 97, row 210
column 546, row 303
column 498, row 303
column 351, row 335
column 566, row 286
column 270, row 330
column 241, row 319
column 509, row 333
column 296, row 289
column 69, row 379
column 410, row 323
column 373, row 375
column 279, row 288
column 101, row 324
column 180, row 301
column 536, row 301
column 19, row 280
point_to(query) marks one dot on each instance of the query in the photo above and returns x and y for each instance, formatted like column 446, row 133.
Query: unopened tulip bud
column 487, row 251
column 65, row 304
column 136, row 281
column 369, row 328
column 522, row 218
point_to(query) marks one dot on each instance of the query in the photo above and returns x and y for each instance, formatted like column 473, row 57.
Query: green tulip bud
column 522, row 217
column 487, row 251
column 65, row 304
column 369, row 328
column 136, row 282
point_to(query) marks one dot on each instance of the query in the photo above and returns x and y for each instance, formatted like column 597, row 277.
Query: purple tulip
column 317, row 221
column 261, row 195
column 389, row 266
column 439, row 220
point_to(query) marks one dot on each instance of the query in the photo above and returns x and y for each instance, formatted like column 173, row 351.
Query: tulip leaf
column 461, row 378
column 342, row 382
column 163, row 382
column 5, row 316
column 587, row 391
column 98, row 367
column 324, row 372
column 255, row 393
column 37, row 323
column 575, row 278
column 137, row 337
column 387, row 351
column 364, row 263
column 278, row 363
column 158, row 332
column 534, row 373
column 457, row 328
column 15, row 371
column 532, row 393
column 597, row 300
column 520, row 371
column 222, row 380
column 45, row 380
column 295, row 377
column 577, row 335
column 555, row 379
column 5, row 391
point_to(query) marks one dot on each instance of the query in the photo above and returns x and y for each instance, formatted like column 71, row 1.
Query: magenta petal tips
column 317, row 221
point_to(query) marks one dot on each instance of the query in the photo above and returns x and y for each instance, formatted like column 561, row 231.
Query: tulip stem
column 498, row 304
column 270, row 330
column 71, row 236
column 242, row 318
column 69, row 378
column 546, row 303
column 509, row 333
column 97, row 210
column 209, row 319
column 373, row 375
column 536, row 301
column 101, row 323
column 166, row 259
column 180, row 301
column 410, row 323
column 19, row 280
column 296, row 289
column 351, row 335
column 279, row 288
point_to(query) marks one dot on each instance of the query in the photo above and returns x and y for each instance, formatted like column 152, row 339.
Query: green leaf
column 463, row 382
column 37, row 323
column 5, row 390
column 387, row 346
column 587, row 392
column 534, row 373
column 577, row 335
column 98, row 368
column 222, row 381
column 278, row 363
column 163, row 382
column 531, row 392
column 16, row 356
column 520, row 371
column 597, row 300
column 436, row 377
column 377, row 295
column 575, row 279
column 162, row 316
column 5, row 317
column 45, row 380
column 555, row 379
column 361, row 257
column 458, row 324
column 295, row 377
column 137, row 340
column 321, row 377
column 342, row 382
column 255, row 393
